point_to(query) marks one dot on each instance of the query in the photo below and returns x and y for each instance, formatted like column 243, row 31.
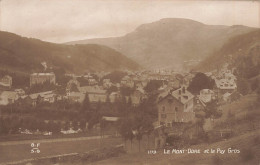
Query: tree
column 126, row 130
column 4, row 125
column 129, row 103
column 86, row 104
column 60, row 76
column 139, row 137
column 112, row 89
column 243, row 86
column 66, row 125
column 74, row 88
column 143, row 125
column 123, row 129
column 115, row 77
column 153, row 85
column 199, row 126
column 61, row 90
column 199, row 82
column 82, row 124
column 108, row 102
column 148, row 127
column 75, row 125
column 126, row 91
column 212, row 110
column 95, row 118
column 83, row 81
column 122, row 106
column 53, row 127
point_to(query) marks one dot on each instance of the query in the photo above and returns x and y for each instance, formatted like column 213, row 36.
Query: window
column 163, row 116
column 161, row 123
column 169, row 124
column 170, row 101
column 163, row 108
column 176, row 109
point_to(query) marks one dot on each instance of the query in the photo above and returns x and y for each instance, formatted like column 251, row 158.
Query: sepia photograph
column 129, row 82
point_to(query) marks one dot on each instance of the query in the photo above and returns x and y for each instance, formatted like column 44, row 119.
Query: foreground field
column 248, row 144
column 10, row 152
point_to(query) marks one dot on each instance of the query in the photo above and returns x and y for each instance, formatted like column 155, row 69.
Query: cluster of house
column 226, row 87
column 179, row 105
column 97, row 92
column 96, row 88
column 6, row 84
column 9, row 96
column 175, row 102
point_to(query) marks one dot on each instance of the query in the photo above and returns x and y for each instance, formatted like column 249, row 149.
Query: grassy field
column 237, row 110
column 246, row 140
column 248, row 144
column 18, row 152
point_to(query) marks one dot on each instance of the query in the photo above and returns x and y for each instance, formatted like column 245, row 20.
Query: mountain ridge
column 26, row 54
column 170, row 41
column 241, row 52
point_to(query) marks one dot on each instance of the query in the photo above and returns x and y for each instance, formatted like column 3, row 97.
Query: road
column 50, row 140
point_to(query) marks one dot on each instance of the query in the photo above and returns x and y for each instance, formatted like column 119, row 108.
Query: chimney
column 180, row 92
column 180, row 98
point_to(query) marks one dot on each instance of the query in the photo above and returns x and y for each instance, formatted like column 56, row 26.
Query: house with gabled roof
column 70, row 84
column 92, row 89
column 175, row 106
column 36, row 98
column 40, row 78
column 76, row 97
column 127, row 82
column 6, row 82
column 8, row 97
column 137, row 96
column 206, row 95
column 224, row 86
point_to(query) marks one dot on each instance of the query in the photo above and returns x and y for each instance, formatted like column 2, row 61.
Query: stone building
column 175, row 106
column 40, row 78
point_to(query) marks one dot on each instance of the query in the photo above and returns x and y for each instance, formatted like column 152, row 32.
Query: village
column 176, row 100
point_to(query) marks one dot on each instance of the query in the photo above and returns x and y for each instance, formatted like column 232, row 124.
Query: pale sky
column 68, row 20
